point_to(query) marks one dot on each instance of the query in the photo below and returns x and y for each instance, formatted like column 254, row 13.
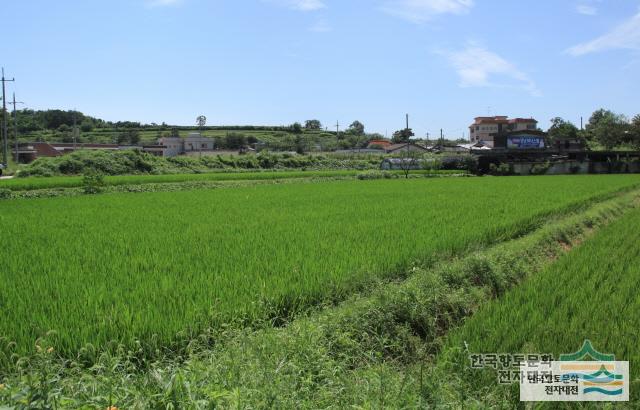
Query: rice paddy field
column 590, row 293
column 123, row 267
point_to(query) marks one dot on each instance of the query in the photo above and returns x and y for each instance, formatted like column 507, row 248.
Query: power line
column 5, row 130
column 15, row 124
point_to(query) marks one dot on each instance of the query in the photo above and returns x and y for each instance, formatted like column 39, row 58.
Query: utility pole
column 5, row 131
column 74, row 130
column 441, row 138
column 15, row 125
column 581, row 124
column 407, row 121
column 337, row 129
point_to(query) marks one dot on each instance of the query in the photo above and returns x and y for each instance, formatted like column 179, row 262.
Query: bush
column 500, row 170
column 137, row 162
column 5, row 193
column 376, row 175
column 92, row 183
column 461, row 162
column 540, row 169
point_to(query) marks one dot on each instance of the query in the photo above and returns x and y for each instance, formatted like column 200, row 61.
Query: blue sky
column 274, row 62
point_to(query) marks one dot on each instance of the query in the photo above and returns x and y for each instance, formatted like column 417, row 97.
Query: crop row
column 589, row 294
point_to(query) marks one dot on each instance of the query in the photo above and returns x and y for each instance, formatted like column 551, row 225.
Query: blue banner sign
column 525, row 142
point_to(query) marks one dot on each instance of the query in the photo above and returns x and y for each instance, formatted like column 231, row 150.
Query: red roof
column 384, row 143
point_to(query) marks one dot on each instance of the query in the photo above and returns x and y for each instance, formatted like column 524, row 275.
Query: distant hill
column 58, row 126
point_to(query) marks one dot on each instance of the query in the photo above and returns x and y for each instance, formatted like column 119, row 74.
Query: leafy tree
column 122, row 138
column 175, row 133
column 65, row 133
column 409, row 160
column 635, row 132
column 300, row 145
column 201, row 121
column 134, row 137
column 356, row 128
column 403, row 136
column 312, row 125
column 86, row 125
column 296, row 128
column 607, row 128
column 561, row 129
column 234, row 140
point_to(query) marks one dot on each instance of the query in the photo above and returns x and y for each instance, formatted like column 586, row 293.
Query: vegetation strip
column 37, row 183
column 370, row 351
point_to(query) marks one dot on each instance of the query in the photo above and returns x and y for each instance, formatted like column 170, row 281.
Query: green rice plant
column 369, row 352
column 160, row 268
column 589, row 293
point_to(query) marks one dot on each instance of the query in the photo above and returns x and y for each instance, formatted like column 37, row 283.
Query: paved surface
column 7, row 177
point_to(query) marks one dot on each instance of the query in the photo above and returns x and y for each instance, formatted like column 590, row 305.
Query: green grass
column 32, row 183
column 121, row 267
column 590, row 293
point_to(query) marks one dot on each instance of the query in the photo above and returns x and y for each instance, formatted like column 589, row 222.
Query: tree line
column 604, row 130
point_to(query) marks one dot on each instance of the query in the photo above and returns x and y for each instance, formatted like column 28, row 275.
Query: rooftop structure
column 484, row 129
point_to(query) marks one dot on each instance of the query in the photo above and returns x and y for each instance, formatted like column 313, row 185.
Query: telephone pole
column 15, row 124
column 5, row 131
column 74, row 130
column 337, row 129
column 407, row 121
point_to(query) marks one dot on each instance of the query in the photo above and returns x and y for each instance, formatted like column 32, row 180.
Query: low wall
column 576, row 167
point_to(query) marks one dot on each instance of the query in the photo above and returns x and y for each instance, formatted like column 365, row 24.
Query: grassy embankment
column 34, row 183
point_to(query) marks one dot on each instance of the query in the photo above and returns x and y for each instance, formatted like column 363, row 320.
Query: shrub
column 93, row 182
column 502, row 169
column 376, row 175
column 460, row 162
column 5, row 193
column 540, row 169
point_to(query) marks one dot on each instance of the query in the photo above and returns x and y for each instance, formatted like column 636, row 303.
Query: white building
column 194, row 142
column 484, row 129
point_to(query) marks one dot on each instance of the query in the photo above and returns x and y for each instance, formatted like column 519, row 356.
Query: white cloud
column 419, row 11
column 587, row 10
column 163, row 3
column 625, row 36
column 321, row 26
column 302, row 5
column 478, row 67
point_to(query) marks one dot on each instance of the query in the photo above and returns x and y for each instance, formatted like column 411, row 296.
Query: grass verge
column 37, row 183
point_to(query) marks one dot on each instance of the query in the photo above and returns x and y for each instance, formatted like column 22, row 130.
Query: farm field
column 33, row 183
column 148, row 267
column 590, row 293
